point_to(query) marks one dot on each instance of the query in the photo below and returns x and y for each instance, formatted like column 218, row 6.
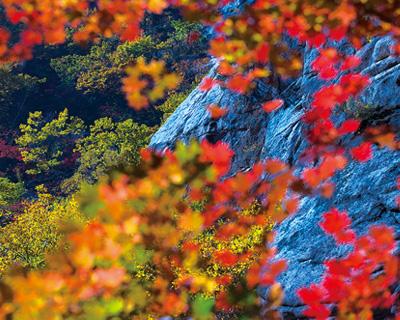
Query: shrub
column 107, row 146
column 10, row 193
column 36, row 231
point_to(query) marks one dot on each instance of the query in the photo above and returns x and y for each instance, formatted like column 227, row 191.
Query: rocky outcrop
column 366, row 190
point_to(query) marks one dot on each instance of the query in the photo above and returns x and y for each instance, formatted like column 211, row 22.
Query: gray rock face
column 366, row 190
column 244, row 126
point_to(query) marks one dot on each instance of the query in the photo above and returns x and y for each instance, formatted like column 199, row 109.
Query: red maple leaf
column 262, row 53
column 311, row 296
column 326, row 97
column 319, row 312
column 219, row 155
column 352, row 85
column 363, row 152
column 338, row 33
column 350, row 62
column 207, row 84
column 349, row 126
column 337, row 224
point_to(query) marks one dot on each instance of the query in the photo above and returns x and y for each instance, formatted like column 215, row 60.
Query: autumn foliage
column 360, row 282
column 179, row 235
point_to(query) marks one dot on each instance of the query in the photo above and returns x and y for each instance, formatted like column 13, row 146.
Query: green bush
column 10, row 192
column 44, row 143
column 108, row 145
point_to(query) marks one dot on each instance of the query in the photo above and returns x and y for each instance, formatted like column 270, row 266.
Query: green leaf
column 95, row 311
column 202, row 307
column 114, row 306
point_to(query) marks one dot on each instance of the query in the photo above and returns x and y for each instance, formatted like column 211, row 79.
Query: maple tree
column 131, row 249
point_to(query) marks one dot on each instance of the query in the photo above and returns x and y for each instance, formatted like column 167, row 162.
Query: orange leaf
column 156, row 6
column 273, row 105
column 292, row 205
column 216, row 112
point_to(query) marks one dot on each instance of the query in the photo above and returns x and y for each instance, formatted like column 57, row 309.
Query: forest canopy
column 96, row 226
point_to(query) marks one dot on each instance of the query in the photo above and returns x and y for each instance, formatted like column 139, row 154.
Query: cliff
column 366, row 190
